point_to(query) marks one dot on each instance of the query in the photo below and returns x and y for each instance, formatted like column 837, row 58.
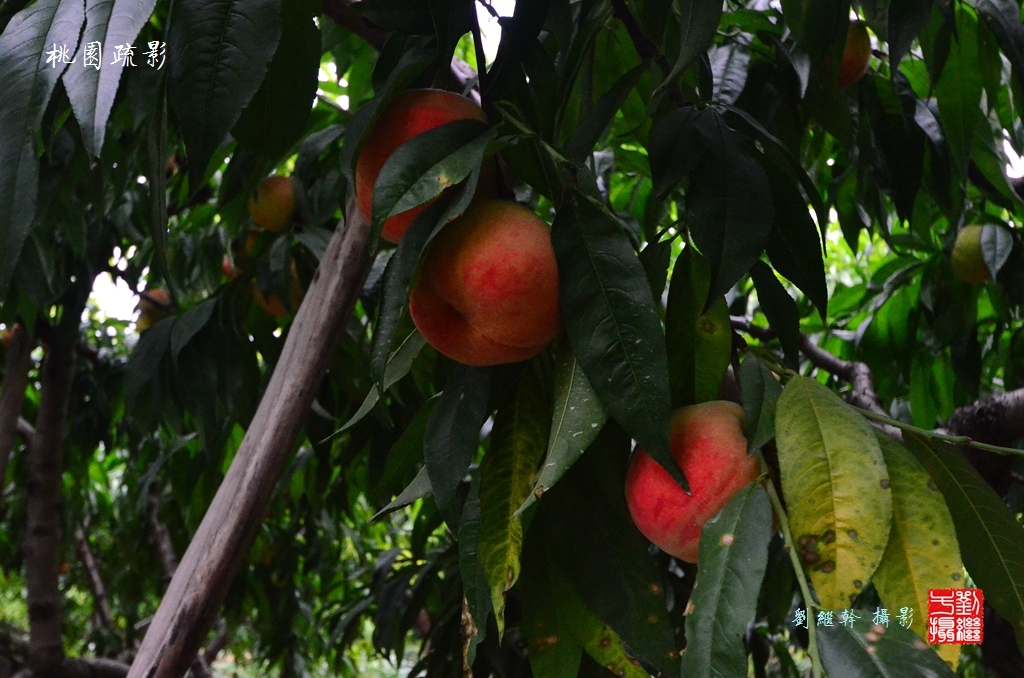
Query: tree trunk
column 12, row 394
column 42, row 545
column 224, row 537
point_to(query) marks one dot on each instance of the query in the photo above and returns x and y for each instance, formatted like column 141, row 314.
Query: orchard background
column 309, row 488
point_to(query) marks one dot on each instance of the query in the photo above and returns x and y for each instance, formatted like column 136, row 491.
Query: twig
column 481, row 58
column 26, row 431
column 645, row 47
column 101, row 603
column 161, row 536
column 217, row 643
column 801, row 578
column 342, row 14
column 939, row 435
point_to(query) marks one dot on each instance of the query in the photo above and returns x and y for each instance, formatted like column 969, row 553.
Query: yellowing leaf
column 923, row 552
column 836, row 489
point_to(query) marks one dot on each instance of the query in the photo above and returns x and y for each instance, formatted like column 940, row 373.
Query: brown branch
column 217, row 643
column 42, row 545
column 857, row 374
column 227, row 531
column 100, row 601
column 342, row 14
column 12, row 394
column 26, row 431
column 161, row 535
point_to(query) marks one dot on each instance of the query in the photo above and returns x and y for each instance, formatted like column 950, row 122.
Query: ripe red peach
column 856, row 55
column 274, row 204
column 488, row 288
column 410, row 114
column 708, row 442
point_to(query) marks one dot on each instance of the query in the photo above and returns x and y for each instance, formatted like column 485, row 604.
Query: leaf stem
column 805, row 591
column 954, row 440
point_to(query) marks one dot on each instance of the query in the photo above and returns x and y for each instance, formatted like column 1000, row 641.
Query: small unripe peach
column 708, row 442
column 410, row 114
column 274, row 204
column 154, row 305
column 967, row 260
column 856, row 55
column 488, row 290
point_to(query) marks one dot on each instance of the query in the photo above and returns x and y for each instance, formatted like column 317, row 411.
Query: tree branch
column 161, row 536
column 645, row 47
column 26, row 431
column 12, row 395
column 857, row 374
column 42, row 545
column 226, row 533
column 100, row 601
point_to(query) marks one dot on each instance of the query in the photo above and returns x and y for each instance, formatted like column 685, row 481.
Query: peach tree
column 747, row 201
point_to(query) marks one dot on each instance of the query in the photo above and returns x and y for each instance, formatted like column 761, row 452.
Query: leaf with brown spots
column 833, row 474
column 923, row 552
column 559, row 624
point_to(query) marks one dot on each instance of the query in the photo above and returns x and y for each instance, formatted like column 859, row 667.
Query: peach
column 272, row 304
column 410, row 113
column 708, row 442
column 274, row 203
column 154, row 305
column 487, row 293
column 967, row 260
column 856, row 55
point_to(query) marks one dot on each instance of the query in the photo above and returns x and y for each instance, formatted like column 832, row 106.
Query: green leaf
column 517, row 445
column 733, row 559
column 996, row 245
column 779, row 308
column 594, row 123
column 991, row 539
column 576, row 422
column 394, row 295
column 794, row 246
column 403, row 16
column 217, row 54
column 602, row 552
column 760, row 391
column 277, row 115
column 922, row 552
column 144, row 362
column 728, row 206
column 958, row 90
column 559, row 625
column 474, row 583
column 675, row 148
column 613, row 324
column 425, row 165
column 836, row 489
column 698, row 20
column 189, row 324
column 417, row 489
column 453, row 434
column 398, row 366
column 699, row 343
column 863, row 650
column 906, row 19
column 1003, row 18
column 28, row 84
column 407, row 450
column 91, row 90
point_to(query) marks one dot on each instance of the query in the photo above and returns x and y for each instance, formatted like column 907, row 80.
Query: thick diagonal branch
column 227, row 531
column 12, row 395
column 42, row 545
column 100, row 600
